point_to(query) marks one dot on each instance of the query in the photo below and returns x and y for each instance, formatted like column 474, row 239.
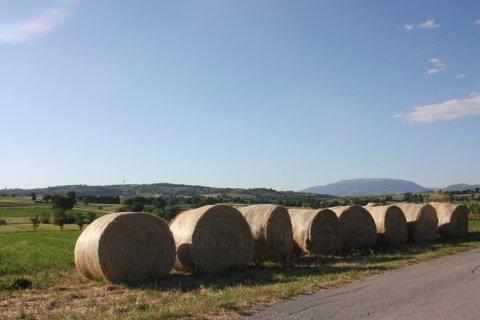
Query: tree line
column 62, row 214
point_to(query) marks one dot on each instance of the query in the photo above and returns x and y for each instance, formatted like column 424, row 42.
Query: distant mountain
column 367, row 187
column 461, row 187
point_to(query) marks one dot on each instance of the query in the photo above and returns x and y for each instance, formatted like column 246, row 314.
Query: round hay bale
column 316, row 231
column 422, row 221
column 358, row 227
column 212, row 238
column 271, row 230
column 125, row 247
column 392, row 228
column 452, row 220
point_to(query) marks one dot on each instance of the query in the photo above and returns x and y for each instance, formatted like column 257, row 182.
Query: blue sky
column 281, row 94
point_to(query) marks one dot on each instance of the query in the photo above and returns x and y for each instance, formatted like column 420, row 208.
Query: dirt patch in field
column 78, row 300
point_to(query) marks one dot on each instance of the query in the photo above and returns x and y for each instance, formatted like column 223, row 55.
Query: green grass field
column 16, row 211
column 29, row 211
column 39, row 256
column 46, row 258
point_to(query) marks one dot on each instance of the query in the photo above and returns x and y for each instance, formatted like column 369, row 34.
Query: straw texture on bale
column 125, row 247
column 316, row 231
column 358, row 227
column 212, row 238
column 392, row 228
column 271, row 230
column 452, row 220
column 372, row 204
column 422, row 221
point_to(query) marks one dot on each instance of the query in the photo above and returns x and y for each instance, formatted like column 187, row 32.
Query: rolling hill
column 461, row 187
column 169, row 190
column 367, row 187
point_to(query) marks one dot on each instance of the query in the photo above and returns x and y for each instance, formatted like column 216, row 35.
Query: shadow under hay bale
column 125, row 247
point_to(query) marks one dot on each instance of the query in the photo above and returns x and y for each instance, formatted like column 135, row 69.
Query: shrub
column 35, row 221
column 473, row 208
column 59, row 218
column 90, row 217
column 16, row 284
column 79, row 220
column 3, row 222
column 70, row 217
column 45, row 217
column 169, row 212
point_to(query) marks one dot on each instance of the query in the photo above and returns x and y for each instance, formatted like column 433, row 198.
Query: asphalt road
column 446, row 288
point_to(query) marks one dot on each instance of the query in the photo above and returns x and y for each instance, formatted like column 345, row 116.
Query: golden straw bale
column 358, row 227
column 316, row 231
column 392, row 228
column 422, row 221
column 452, row 220
column 271, row 230
column 212, row 238
column 125, row 247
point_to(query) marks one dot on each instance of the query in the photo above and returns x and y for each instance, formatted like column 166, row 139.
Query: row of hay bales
column 138, row 247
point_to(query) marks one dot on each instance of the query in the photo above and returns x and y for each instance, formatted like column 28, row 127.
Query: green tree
column 170, row 212
column 63, row 203
column 35, row 221
column 80, row 220
column 159, row 203
column 33, row 196
column 137, row 206
column 90, row 217
column 59, row 218
column 473, row 208
column 45, row 217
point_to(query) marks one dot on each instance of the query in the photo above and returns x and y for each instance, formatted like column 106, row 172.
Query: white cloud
column 473, row 94
column 433, row 71
column 428, row 24
column 444, row 111
column 437, row 66
column 460, row 76
column 476, row 23
column 37, row 26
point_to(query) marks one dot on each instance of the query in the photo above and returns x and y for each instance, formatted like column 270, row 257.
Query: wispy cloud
column 436, row 66
column 39, row 25
column 443, row 111
column 460, row 76
column 476, row 23
column 433, row 71
column 428, row 24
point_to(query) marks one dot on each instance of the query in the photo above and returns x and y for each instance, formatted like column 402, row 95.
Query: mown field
column 57, row 292
column 16, row 211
